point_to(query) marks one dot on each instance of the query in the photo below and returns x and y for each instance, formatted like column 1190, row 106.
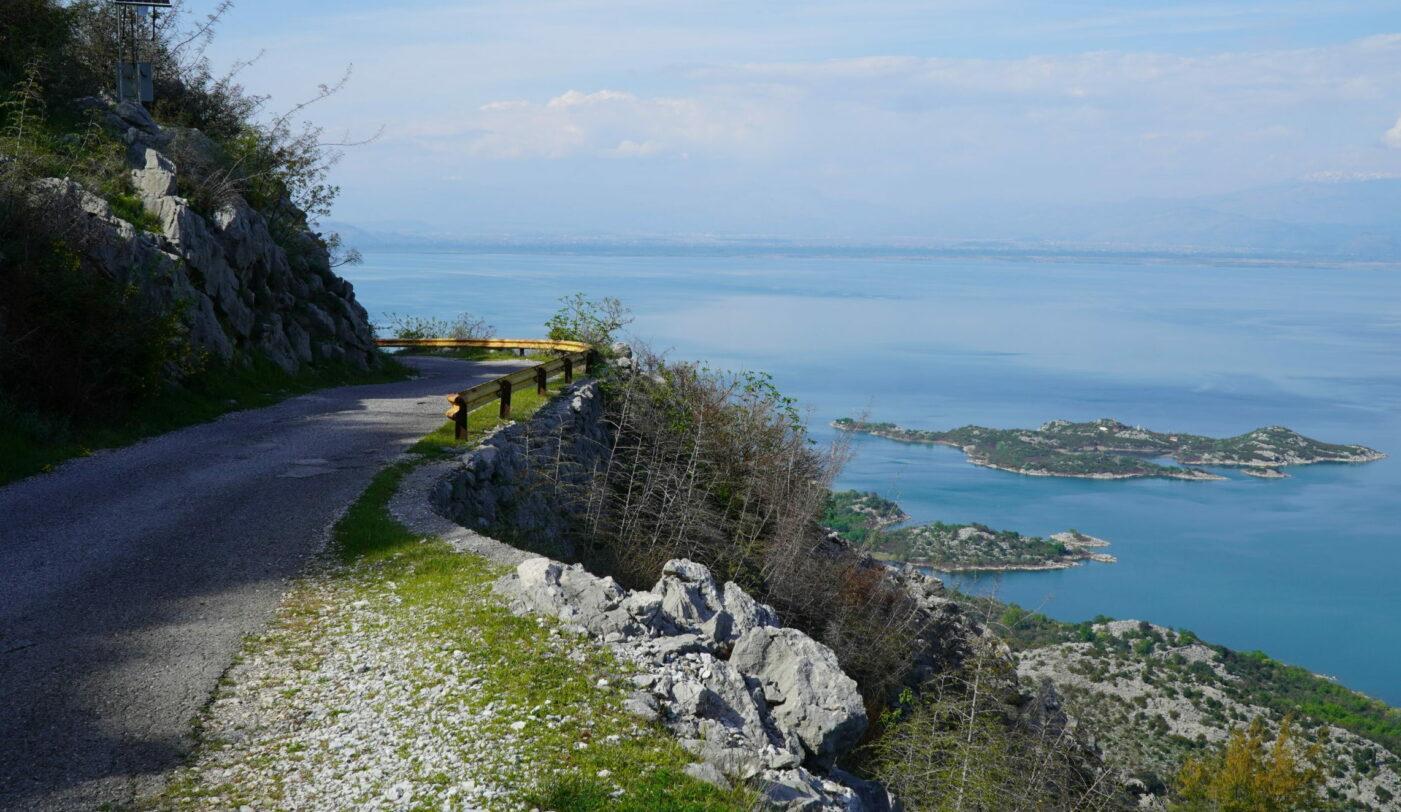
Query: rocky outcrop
column 752, row 700
column 239, row 291
column 806, row 688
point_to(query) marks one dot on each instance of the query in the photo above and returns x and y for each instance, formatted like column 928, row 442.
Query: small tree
column 591, row 321
column 1251, row 774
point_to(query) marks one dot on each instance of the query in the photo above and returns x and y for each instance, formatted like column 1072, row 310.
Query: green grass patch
column 32, row 443
column 529, row 669
column 129, row 207
column 662, row 788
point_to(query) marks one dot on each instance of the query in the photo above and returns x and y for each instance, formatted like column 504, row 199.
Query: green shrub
column 591, row 321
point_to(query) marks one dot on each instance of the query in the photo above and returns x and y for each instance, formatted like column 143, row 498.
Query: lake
column 1307, row 569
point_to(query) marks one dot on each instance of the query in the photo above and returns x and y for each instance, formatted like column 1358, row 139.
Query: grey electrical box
column 135, row 82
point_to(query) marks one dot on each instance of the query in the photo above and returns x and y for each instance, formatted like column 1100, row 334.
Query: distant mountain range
column 1324, row 219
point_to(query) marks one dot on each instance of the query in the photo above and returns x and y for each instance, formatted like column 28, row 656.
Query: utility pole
column 135, row 76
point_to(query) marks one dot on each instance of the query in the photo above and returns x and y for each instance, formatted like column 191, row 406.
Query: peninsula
column 862, row 518
column 857, row 516
column 979, row 548
column 1108, row 449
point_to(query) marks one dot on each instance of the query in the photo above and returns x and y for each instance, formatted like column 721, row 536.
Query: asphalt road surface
column 128, row 579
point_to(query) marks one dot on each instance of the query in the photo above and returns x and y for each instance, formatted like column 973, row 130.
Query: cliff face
column 239, row 292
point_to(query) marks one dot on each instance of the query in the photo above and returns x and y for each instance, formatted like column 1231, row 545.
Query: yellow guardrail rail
column 574, row 356
column 486, row 344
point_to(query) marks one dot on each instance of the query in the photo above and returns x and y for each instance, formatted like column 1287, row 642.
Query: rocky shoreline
column 1189, row 475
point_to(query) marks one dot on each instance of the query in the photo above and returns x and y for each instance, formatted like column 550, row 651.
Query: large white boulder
column 807, row 691
column 691, row 601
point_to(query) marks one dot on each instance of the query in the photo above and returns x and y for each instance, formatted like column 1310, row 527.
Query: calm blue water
column 1307, row 569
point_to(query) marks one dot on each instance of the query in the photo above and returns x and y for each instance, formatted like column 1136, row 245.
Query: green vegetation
column 1253, row 774
column 33, row 441
column 952, row 747
column 858, row 516
column 972, row 546
column 1256, row 678
column 1109, row 449
column 592, row 321
column 1158, row 697
column 462, row 326
column 862, row 519
column 1289, row 688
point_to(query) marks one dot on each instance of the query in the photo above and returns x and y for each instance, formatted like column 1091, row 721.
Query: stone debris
column 755, row 701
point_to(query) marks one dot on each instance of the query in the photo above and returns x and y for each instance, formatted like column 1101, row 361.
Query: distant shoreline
column 1109, row 450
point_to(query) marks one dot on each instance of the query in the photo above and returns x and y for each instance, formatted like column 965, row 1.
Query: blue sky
column 851, row 120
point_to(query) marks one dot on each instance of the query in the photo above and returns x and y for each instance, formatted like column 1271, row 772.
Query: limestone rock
column 156, row 177
column 810, row 694
column 721, row 717
column 752, row 702
column 707, row 772
column 873, row 796
column 801, row 791
column 582, row 601
column 692, row 601
column 642, row 705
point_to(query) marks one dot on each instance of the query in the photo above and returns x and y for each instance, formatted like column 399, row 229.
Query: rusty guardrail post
column 568, row 371
column 458, row 412
column 541, row 381
column 505, row 400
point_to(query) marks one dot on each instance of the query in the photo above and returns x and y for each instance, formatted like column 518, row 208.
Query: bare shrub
column 718, row 467
column 463, row 326
column 955, row 746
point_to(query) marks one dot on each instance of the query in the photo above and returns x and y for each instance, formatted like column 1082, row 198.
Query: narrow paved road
column 128, row 579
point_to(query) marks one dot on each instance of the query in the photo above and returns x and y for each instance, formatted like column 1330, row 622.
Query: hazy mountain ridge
column 1324, row 219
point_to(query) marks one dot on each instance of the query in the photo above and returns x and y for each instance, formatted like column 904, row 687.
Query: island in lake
column 1108, row 449
column 863, row 518
column 857, row 516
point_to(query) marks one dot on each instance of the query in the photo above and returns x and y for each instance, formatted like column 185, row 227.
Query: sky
column 854, row 120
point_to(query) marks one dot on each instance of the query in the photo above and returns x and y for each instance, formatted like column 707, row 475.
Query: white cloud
column 899, row 126
column 604, row 123
column 1392, row 137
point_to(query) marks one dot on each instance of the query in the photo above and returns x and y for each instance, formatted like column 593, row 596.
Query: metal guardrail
column 575, row 355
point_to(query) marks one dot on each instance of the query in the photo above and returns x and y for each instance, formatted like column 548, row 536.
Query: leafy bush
column 1252, row 774
column 591, row 321
column 73, row 341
